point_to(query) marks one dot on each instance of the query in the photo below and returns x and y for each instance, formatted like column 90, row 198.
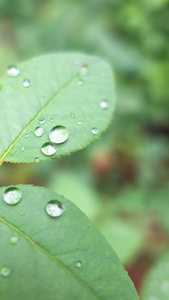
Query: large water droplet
column 5, row 271
column 48, row 149
column 54, row 208
column 95, row 130
column 26, row 83
column 12, row 195
column 58, row 134
column 38, row 131
column 83, row 70
column 13, row 240
column 41, row 121
column 104, row 104
column 79, row 264
column 13, row 71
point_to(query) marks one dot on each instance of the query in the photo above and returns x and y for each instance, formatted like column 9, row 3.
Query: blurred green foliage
column 124, row 175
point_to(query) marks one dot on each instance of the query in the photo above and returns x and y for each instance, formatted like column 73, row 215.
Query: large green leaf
column 65, row 89
column 156, row 283
column 61, row 257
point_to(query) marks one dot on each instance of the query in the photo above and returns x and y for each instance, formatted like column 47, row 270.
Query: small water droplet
column 41, row 121
column 38, row 131
column 12, row 195
column 58, row 134
column 23, row 148
column 13, row 240
column 48, row 149
column 83, row 70
column 54, row 208
column 21, row 212
column 5, row 271
column 37, row 159
column 80, row 82
column 51, row 119
column 104, row 104
column 13, row 71
column 79, row 264
column 26, row 135
column 79, row 122
column 72, row 115
column 95, row 130
column 26, row 83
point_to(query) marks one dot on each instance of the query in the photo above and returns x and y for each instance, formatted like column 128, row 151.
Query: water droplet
column 80, row 82
column 79, row 122
column 54, row 208
column 83, row 70
column 104, row 104
column 72, row 115
column 12, row 195
column 38, row 131
column 26, row 83
column 41, row 121
column 26, row 135
column 59, row 134
column 51, row 119
column 5, row 271
column 79, row 264
column 21, row 212
column 13, row 240
column 95, row 130
column 23, row 148
column 13, row 71
column 37, row 159
column 48, row 149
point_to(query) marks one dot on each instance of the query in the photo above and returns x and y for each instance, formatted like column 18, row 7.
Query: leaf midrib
column 34, row 119
column 46, row 252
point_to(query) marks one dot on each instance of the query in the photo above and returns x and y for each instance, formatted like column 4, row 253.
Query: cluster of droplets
column 58, row 134
column 53, row 208
column 13, row 71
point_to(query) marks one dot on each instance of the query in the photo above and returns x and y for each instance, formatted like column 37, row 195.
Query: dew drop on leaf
column 37, row 159
column 13, row 71
column 79, row 264
column 58, row 134
column 72, row 115
column 13, row 240
column 51, row 119
column 80, row 82
column 95, row 130
column 26, row 83
column 41, row 121
column 26, row 135
column 38, row 131
column 54, row 208
column 22, row 213
column 83, row 70
column 23, row 148
column 104, row 104
column 48, row 149
column 79, row 123
column 12, row 195
column 5, row 271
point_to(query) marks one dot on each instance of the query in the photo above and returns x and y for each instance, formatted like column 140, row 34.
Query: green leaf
column 156, row 283
column 65, row 89
column 61, row 257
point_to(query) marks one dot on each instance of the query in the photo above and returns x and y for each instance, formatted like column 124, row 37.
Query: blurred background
column 121, row 180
